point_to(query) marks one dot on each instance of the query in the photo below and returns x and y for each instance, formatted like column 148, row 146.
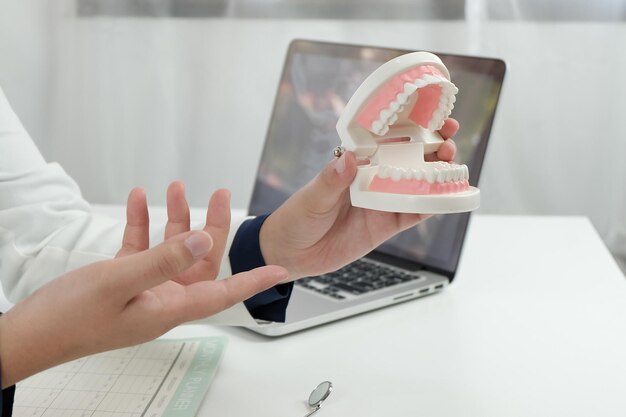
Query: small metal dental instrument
column 318, row 395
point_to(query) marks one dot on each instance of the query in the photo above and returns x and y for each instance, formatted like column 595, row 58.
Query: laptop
column 299, row 143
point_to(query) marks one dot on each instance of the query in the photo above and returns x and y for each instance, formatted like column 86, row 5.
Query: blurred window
column 277, row 9
column 541, row 10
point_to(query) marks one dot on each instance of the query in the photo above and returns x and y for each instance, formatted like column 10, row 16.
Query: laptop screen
column 318, row 79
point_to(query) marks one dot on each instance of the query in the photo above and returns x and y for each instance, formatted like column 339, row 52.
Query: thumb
column 147, row 269
column 323, row 192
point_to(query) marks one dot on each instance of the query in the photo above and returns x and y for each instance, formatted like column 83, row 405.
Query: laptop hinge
column 395, row 261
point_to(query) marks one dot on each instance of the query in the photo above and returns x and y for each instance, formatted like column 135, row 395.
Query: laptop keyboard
column 356, row 279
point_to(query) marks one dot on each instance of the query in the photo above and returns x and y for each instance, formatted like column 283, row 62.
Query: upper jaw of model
column 421, row 96
column 393, row 119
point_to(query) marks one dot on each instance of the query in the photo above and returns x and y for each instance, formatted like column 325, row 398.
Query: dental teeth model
column 392, row 119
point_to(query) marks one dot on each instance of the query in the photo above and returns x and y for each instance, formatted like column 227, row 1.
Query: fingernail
column 340, row 164
column 199, row 244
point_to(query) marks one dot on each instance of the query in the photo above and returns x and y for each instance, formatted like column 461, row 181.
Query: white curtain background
column 148, row 94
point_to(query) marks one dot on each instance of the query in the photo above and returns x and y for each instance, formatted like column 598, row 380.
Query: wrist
column 28, row 345
column 265, row 241
column 268, row 242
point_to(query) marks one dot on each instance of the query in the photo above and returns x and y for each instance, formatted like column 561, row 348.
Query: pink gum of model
column 416, row 187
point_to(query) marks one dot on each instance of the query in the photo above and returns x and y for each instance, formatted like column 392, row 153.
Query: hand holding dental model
column 392, row 120
column 317, row 230
column 323, row 226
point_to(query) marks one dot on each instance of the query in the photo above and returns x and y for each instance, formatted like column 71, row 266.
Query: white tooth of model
column 385, row 114
column 396, row 173
column 409, row 88
column 457, row 173
column 402, row 98
column 419, row 83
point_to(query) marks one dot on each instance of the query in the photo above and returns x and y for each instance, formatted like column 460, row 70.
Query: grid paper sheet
column 162, row 378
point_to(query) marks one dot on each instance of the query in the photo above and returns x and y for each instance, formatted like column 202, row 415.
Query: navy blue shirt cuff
column 6, row 401
column 245, row 254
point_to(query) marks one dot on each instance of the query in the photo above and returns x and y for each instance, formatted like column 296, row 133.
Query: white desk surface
column 534, row 325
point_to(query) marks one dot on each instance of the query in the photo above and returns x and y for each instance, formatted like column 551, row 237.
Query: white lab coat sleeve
column 47, row 228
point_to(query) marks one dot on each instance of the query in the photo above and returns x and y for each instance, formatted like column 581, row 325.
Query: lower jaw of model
column 402, row 170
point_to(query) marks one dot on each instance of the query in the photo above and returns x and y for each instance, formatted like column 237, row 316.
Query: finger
column 218, row 226
column 137, row 231
column 144, row 270
column 408, row 220
column 177, row 210
column 446, row 152
column 324, row 192
column 210, row 297
column 449, row 129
